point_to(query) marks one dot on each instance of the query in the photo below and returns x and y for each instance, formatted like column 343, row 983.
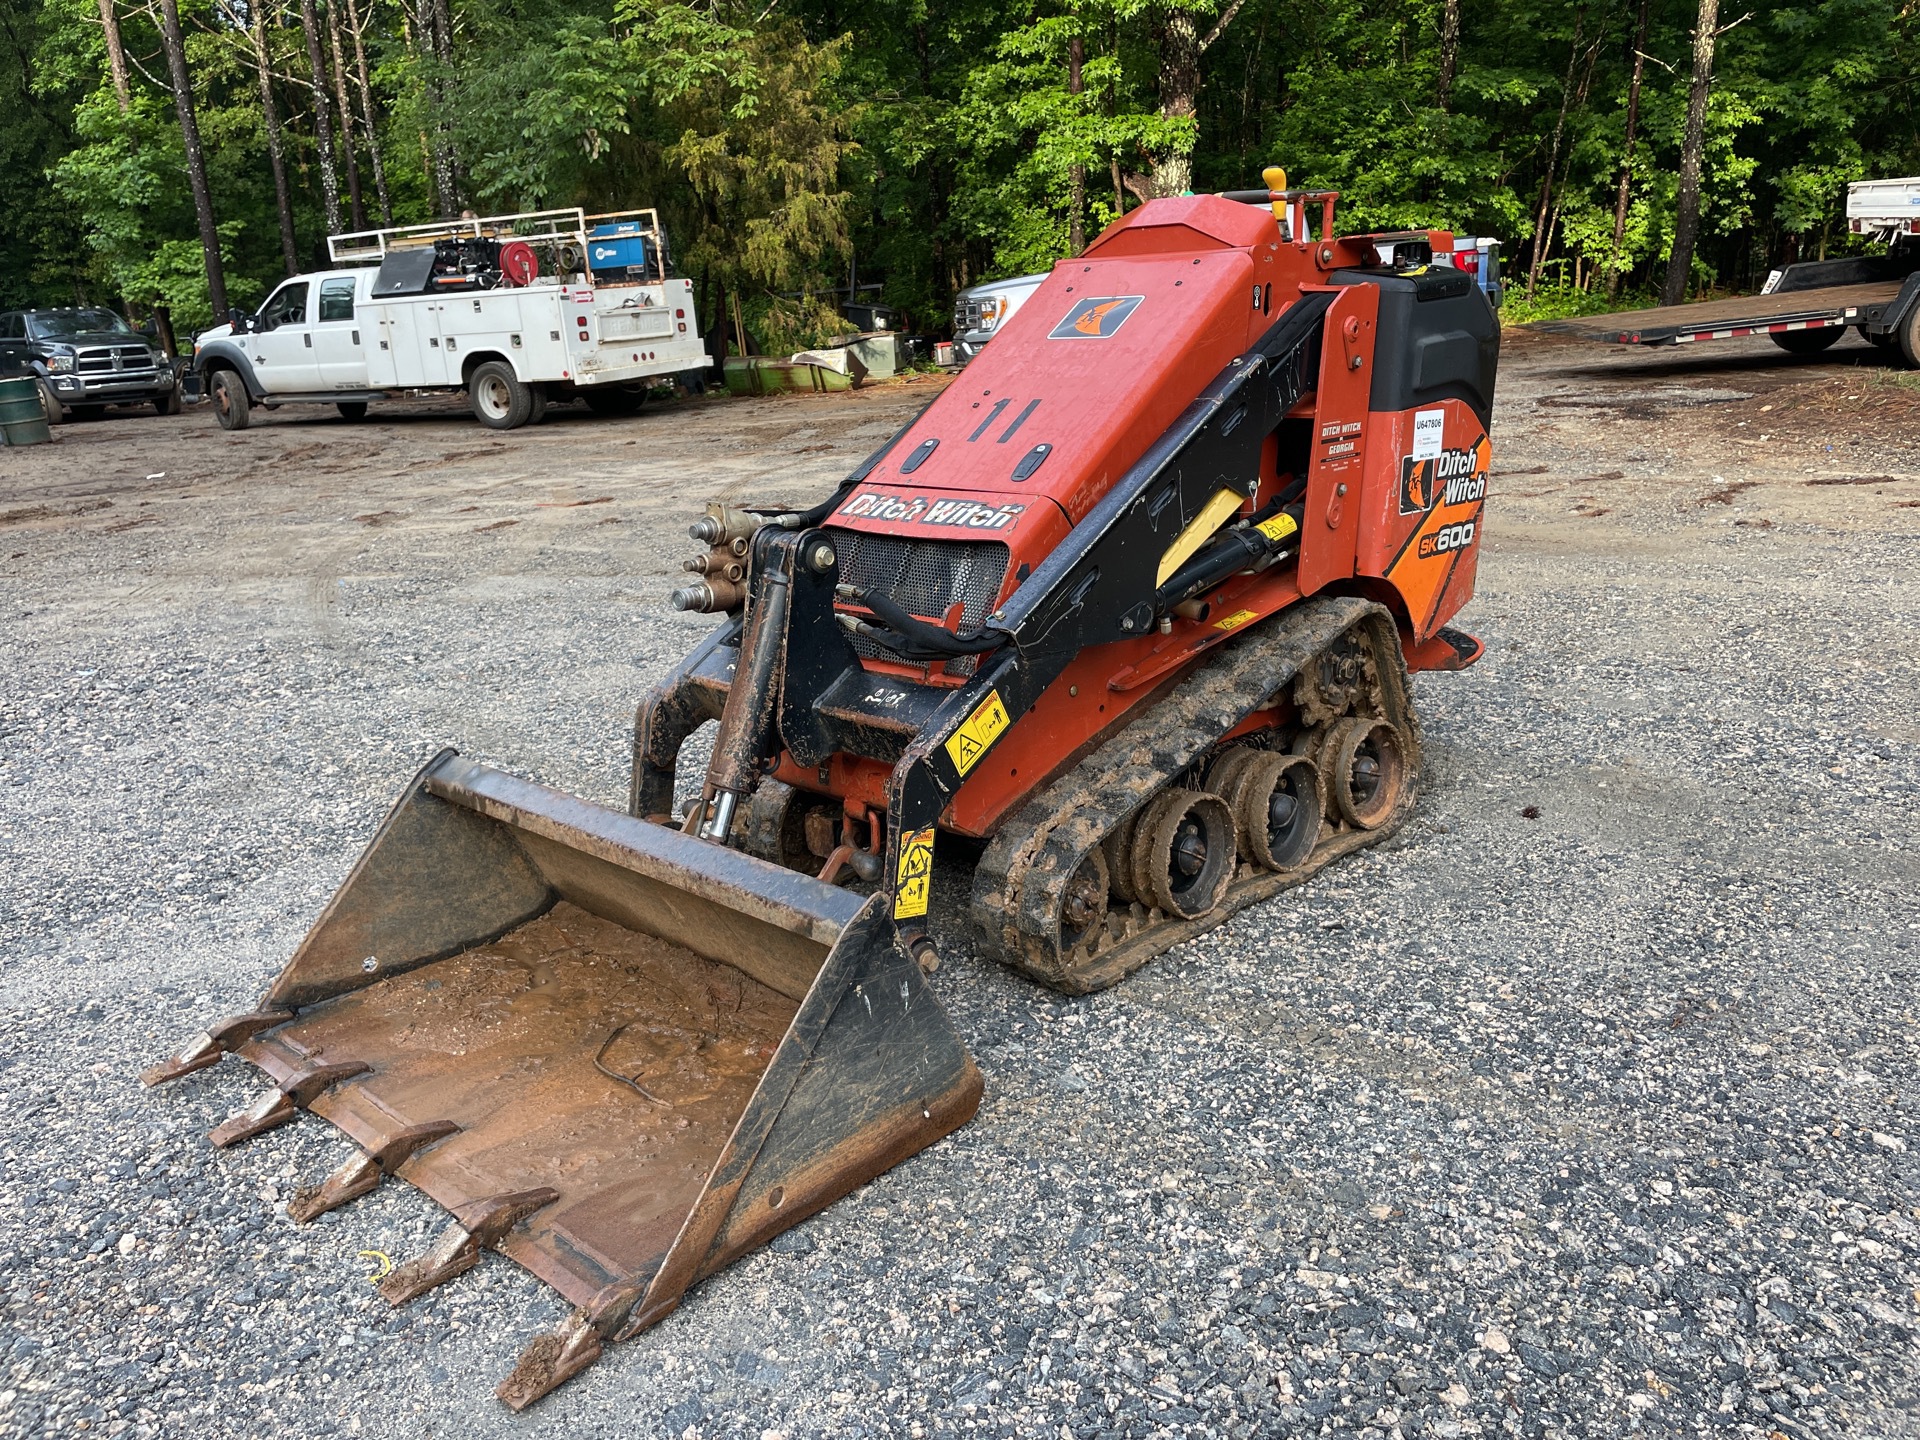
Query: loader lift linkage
column 1132, row 605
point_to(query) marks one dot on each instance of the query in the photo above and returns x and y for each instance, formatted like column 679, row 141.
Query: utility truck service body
column 464, row 306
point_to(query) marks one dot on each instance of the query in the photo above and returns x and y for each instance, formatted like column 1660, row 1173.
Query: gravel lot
column 1586, row 1107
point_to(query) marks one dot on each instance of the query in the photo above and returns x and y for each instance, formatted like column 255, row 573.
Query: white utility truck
column 516, row 310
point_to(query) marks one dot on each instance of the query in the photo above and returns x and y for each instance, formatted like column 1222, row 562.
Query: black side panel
column 405, row 272
column 1437, row 341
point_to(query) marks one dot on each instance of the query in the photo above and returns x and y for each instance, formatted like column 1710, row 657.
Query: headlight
column 60, row 362
column 989, row 311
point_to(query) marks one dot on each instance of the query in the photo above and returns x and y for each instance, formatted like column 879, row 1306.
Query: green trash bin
column 23, row 419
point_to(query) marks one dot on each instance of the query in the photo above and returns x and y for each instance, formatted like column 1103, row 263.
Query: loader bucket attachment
column 620, row 1055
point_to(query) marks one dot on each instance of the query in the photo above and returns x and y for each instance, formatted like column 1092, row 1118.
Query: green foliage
column 922, row 145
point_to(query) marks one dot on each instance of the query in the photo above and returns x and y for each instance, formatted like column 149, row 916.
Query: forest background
column 179, row 156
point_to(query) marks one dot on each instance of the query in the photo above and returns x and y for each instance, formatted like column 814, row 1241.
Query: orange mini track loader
column 1128, row 611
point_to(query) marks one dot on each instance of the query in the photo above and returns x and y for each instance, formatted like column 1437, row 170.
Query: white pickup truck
column 464, row 306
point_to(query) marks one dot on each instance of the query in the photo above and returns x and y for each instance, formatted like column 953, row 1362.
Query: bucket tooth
column 476, row 1227
column 273, row 1108
column 552, row 1359
column 281, row 1104
column 349, row 1182
column 363, row 1172
column 207, row 1048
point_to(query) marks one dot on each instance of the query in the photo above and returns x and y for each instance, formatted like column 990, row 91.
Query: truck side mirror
column 239, row 320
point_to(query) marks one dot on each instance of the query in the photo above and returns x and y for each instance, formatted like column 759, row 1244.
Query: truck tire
column 230, row 404
column 537, row 411
column 1909, row 333
column 169, row 403
column 500, row 399
column 352, row 409
column 56, row 412
column 1807, row 342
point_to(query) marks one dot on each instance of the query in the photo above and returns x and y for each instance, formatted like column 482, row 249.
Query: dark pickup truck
column 86, row 360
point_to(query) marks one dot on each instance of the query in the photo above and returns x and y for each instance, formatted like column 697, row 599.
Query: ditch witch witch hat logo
column 1097, row 317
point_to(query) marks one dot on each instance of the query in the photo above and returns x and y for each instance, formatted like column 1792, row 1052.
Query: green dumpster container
column 23, row 419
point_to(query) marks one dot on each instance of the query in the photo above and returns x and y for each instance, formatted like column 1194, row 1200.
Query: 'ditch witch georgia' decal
column 1449, row 488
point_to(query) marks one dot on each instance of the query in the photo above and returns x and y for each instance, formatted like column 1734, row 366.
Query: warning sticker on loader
column 1279, row 527
column 977, row 732
column 915, row 880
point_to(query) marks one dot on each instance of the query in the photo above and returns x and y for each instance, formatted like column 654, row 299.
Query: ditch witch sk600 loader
column 1132, row 604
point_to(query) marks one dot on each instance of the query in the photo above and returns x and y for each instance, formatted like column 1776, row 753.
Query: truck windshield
column 64, row 324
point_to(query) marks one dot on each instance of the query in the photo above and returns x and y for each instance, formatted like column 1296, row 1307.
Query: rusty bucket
column 619, row 1055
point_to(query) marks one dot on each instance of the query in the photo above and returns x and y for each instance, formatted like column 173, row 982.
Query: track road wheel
column 1807, row 342
column 352, row 410
column 1086, row 898
column 230, row 404
column 1278, row 807
column 1183, row 849
column 1367, row 771
column 500, row 399
column 1117, row 854
column 1224, row 775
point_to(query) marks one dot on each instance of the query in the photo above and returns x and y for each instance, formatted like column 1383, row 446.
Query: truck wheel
column 537, row 411
column 500, row 400
column 614, row 400
column 169, row 403
column 56, row 412
column 1909, row 334
column 352, row 409
column 230, row 404
column 1807, row 342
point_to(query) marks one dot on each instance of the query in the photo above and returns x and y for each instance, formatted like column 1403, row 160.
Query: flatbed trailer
column 1803, row 308
column 1796, row 315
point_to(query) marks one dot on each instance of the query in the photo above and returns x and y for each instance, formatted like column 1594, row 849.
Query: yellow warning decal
column 978, row 732
column 916, row 875
column 1277, row 528
column 1236, row 620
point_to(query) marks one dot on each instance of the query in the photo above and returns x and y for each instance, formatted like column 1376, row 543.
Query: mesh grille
column 925, row 577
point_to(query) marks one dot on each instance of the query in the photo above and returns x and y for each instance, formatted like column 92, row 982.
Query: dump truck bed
column 1730, row 319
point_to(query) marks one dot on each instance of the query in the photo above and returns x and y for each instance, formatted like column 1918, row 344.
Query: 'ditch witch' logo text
column 1453, row 477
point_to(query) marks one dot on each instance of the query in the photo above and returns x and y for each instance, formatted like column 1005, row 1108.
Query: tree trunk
column 367, row 111
column 276, row 153
column 1077, row 172
column 346, row 115
column 322, row 119
column 116, row 56
column 1449, row 54
column 1686, row 214
column 1181, row 48
column 1626, row 161
column 196, row 160
column 1545, row 210
column 438, row 18
column 1172, row 172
